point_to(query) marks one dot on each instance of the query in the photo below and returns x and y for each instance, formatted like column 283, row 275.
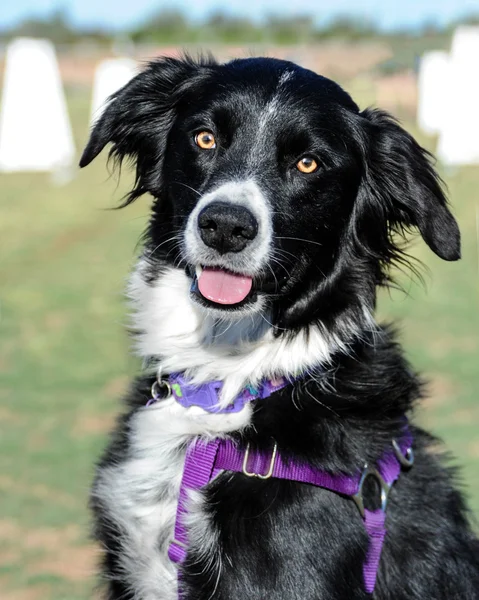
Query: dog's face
column 272, row 191
column 259, row 182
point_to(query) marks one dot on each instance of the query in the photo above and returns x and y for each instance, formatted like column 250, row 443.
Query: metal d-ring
column 156, row 390
column 384, row 487
column 406, row 460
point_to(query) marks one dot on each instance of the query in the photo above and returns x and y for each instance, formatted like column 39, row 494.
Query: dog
column 279, row 208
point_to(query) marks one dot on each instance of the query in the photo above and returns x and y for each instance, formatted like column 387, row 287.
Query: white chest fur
column 141, row 492
column 172, row 328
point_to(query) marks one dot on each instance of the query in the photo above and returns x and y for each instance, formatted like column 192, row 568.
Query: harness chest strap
column 205, row 460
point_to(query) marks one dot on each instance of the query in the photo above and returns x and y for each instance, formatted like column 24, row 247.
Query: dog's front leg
column 135, row 495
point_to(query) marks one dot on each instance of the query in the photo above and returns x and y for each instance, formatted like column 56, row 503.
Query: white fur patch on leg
column 141, row 493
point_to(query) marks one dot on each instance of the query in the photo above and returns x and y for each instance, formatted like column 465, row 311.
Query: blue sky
column 118, row 13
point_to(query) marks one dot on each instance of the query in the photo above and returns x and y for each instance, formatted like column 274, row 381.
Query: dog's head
column 273, row 192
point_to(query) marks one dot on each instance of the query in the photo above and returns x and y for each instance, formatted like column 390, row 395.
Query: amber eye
column 307, row 164
column 205, row 140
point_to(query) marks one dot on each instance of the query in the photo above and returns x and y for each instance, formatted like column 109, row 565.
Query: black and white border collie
column 279, row 208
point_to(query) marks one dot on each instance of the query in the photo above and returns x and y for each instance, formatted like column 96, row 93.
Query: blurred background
column 64, row 353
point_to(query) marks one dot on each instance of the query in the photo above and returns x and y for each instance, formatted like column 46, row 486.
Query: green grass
column 64, row 358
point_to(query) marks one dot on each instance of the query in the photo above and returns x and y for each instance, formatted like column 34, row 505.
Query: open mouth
column 218, row 286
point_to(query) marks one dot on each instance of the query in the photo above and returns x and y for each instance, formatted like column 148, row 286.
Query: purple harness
column 205, row 460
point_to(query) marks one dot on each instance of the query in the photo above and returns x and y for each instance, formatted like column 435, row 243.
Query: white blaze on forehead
column 285, row 76
column 271, row 108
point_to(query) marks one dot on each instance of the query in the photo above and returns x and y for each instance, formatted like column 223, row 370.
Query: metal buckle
column 271, row 464
column 385, row 488
column 406, row 460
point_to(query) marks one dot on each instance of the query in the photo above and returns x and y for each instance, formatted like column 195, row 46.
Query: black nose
column 227, row 227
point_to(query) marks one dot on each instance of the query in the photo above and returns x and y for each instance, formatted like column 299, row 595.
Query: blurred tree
column 230, row 30
column 167, row 27
column 430, row 27
column 289, row 30
column 348, row 28
column 57, row 28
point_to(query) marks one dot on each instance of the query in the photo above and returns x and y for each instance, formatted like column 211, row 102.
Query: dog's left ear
column 401, row 184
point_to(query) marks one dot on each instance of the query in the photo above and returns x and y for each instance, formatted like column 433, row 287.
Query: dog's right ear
column 401, row 189
column 141, row 113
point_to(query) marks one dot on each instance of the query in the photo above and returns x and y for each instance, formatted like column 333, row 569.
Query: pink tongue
column 223, row 287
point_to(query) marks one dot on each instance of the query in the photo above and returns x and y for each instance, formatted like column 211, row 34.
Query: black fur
column 337, row 231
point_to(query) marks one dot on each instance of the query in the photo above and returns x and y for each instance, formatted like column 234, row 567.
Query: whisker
column 273, row 274
column 187, row 186
column 271, row 324
column 280, row 264
column 228, row 327
column 298, row 240
column 177, row 259
column 283, row 251
column 174, row 237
